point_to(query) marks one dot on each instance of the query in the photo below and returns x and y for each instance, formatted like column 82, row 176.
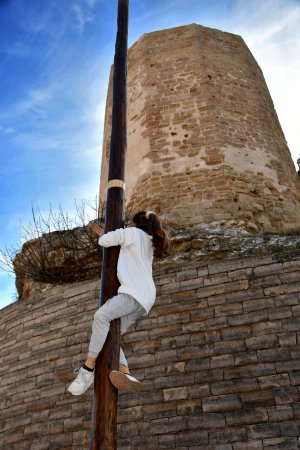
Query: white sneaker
column 125, row 382
column 82, row 382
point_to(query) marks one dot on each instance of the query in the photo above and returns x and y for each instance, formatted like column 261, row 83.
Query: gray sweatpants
column 123, row 307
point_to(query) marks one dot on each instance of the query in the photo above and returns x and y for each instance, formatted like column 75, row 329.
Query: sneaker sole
column 86, row 388
column 124, row 382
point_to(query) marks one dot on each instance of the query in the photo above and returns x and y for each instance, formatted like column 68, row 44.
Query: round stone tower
column 204, row 141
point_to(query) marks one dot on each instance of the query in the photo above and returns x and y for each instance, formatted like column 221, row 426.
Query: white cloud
column 7, row 288
column 34, row 101
column 97, row 115
column 2, row 261
column 18, row 48
column 7, row 292
column 271, row 29
column 36, row 98
column 29, row 18
column 83, row 12
column 39, row 141
column 91, row 3
column 82, row 16
column 6, row 130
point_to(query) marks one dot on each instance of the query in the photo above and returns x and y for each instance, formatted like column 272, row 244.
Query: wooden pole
column 104, row 421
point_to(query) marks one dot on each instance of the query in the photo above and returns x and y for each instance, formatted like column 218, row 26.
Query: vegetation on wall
column 56, row 248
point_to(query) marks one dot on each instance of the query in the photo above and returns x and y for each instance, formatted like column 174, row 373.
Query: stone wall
column 218, row 356
column 43, row 338
column 204, row 140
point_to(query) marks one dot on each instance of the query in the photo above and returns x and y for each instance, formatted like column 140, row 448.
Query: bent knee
column 101, row 316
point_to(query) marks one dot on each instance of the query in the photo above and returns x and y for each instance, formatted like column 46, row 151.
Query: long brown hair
column 149, row 222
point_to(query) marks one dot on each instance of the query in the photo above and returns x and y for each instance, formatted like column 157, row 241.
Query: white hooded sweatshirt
column 134, row 264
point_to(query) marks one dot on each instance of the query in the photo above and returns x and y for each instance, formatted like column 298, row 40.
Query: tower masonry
column 204, row 141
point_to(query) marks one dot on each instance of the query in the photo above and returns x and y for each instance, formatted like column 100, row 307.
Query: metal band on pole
column 116, row 183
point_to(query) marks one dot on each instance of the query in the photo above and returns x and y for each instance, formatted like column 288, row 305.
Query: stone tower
column 204, row 141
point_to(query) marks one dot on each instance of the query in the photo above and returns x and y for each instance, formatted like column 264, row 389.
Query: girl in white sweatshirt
column 136, row 294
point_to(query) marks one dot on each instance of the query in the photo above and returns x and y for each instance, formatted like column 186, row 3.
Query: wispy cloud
column 271, row 25
column 83, row 15
column 29, row 18
column 38, row 142
column 6, row 130
column 36, row 101
column 271, row 29
column 92, row 3
column 19, row 48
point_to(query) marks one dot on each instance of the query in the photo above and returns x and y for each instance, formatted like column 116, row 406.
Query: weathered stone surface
column 229, row 402
column 207, row 384
column 190, row 128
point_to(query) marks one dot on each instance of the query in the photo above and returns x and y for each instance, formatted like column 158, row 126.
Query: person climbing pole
column 141, row 241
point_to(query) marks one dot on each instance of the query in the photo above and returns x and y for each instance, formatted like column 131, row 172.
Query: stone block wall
column 218, row 356
column 223, row 360
column 42, row 338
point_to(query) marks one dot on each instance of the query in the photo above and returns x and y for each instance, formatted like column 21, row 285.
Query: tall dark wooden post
column 104, row 422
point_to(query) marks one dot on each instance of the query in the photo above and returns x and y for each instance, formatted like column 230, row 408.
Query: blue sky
column 55, row 58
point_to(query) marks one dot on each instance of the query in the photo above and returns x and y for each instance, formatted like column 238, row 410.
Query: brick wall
column 42, row 341
column 218, row 355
